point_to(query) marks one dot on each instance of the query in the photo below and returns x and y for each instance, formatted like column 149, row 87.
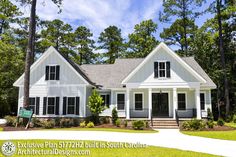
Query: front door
column 160, row 106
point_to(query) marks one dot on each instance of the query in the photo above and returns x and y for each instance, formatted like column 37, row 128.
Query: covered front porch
column 148, row 103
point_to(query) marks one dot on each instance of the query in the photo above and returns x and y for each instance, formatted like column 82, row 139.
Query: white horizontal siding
column 61, row 92
column 178, row 72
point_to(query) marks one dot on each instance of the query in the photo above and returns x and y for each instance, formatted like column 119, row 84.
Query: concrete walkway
column 165, row 138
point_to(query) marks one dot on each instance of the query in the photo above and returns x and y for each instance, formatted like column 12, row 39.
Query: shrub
column 36, row 122
column 220, row 122
column 90, row 125
column 57, row 121
column 48, row 124
column 10, row 120
column 194, row 124
column 185, row 126
column 66, row 123
column 75, row 122
column 138, row 125
column 118, row 121
column 126, row 123
column 234, row 118
column 210, row 124
column 96, row 105
column 114, row 115
column 147, row 124
column 82, row 124
column 209, row 115
column 104, row 120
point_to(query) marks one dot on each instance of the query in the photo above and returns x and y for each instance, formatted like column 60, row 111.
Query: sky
column 99, row 14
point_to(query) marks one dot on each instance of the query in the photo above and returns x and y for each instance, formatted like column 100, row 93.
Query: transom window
column 202, row 101
column 138, row 100
column 51, row 105
column 120, row 101
column 71, row 105
column 181, row 101
column 52, row 72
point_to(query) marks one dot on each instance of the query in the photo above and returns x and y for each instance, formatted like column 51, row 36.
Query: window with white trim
column 202, row 101
column 51, row 105
column 71, row 105
column 106, row 100
column 138, row 100
column 162, row 69
column 181, row 101
column 52, row 72
column 120, row 101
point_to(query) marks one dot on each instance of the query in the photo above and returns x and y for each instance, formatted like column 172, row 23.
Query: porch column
column 174, row 101
column 149, row 103
column 197, row 101
column 127, row 104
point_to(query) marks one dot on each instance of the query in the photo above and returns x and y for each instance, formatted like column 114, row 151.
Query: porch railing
column 187, row 113
column 177, row 117
column 139, row 113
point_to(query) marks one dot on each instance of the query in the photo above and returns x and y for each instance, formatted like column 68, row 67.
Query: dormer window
column 52, row 72
column 162, row 69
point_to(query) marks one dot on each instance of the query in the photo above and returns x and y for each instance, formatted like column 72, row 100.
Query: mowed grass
column 149, row 151
column 223, row 135
column 102, row 129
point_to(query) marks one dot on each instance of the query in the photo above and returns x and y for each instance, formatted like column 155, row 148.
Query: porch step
column 164, row 124
column 165, row 127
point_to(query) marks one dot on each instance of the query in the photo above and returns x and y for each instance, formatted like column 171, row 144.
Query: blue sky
column 99, row 14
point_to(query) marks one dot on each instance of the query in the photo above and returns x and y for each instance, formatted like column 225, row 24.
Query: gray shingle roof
column 193, row 64
column 111, row 75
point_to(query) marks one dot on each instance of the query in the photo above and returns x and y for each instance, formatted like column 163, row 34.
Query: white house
column 160, row 85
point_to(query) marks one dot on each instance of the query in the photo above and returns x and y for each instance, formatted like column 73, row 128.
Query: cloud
column 99, row 14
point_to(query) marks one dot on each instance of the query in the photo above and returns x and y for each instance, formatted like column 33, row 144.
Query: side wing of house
column 56, row 87
column 164, row 83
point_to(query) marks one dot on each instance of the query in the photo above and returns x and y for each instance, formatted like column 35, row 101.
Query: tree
column 222, row 53
column 84, row 45
column 111, row 40
column 96, row 105
column 30, row 47
column 142, row 41
column 57, row 34
column 11, row 68
column 8, row 14
column 175, row 34
column 185, row 10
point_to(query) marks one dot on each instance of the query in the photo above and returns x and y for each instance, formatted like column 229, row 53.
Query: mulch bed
column 21, row 128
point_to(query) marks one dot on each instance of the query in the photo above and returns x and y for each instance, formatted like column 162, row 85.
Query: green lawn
column 224, row 135
column 104, row 129
column 110, row 152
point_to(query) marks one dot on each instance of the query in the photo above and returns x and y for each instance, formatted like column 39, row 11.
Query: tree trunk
column 30, row 52
column 222, row 56
column 185, row 29
column 218, row 100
